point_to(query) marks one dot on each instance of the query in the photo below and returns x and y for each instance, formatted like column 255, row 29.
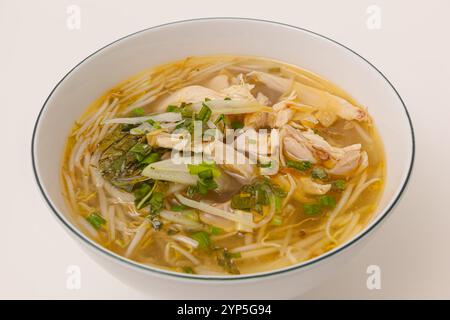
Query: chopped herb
column 204, row 242
column 172, row 108
column 96, row 220
column 225, row 260
column 319, row 173
column 142, row 194
column 299, row 165
column 156, row 202
column 152, row 157
column 204, row 185
column 140, row 150
column 327, row 201
column 276, row 221
column 184, row 109
column 255, row 196
column 191, row 191
column 215, row 231
column 227, row 98
column 338, row 185
column 324, row 202
column 204, row 113
column 264, row 165
column 138, row 112
column 178, row 207
column 220, row 118
column 312, row 209
column 147, row 194
column 206, row 173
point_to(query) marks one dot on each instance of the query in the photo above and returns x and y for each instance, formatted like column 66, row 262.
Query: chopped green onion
column 312, row 209
column 138, row 112
column 299, row 165
column 172, row 108
column 264, row 165
column 327, row 201
column 96, row 220
column 338, row 185
column 204, row 113
column 196, row 169
column 220, row 118
column 276, row 221
column 205, row 174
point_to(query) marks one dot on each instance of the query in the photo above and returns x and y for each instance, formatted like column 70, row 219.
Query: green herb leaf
column 299, row 165
column 156, row 202
column 204, row 242
column 152, row 157
column 225, row 260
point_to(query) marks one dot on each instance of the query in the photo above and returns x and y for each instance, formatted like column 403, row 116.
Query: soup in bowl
column 239, row 165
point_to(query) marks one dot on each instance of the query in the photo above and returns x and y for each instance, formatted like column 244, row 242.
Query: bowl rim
column 233, row 278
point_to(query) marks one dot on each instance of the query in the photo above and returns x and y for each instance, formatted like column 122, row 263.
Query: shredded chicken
column 329, row 106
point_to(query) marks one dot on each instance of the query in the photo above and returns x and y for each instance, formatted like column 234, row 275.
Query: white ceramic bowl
column 129, row 55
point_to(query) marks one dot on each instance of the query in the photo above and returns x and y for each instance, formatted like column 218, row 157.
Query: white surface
column 38, row 49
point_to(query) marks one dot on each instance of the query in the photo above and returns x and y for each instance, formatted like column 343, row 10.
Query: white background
column 412, row 49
